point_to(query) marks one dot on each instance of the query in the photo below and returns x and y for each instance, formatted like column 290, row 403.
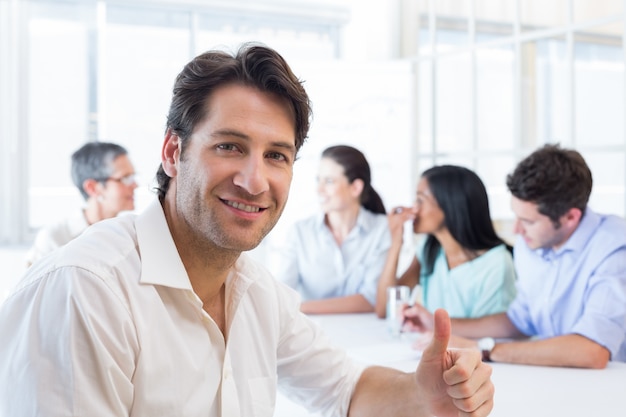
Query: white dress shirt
column 318, row 268
column 110, row 326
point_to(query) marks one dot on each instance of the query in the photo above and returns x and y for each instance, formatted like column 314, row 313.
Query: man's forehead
column 524, row 208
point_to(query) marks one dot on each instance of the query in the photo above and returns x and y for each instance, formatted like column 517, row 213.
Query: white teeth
column 243, row 207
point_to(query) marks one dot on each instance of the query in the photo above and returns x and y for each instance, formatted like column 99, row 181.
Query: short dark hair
column 254, row 65
column 355, row 166
column 554, row 178
column 94, row 161
column 462, row 198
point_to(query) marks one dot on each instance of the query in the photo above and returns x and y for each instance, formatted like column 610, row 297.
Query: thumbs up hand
column 453, row 382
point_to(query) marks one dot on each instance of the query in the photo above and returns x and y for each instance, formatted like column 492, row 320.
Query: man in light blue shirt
column 570, row 309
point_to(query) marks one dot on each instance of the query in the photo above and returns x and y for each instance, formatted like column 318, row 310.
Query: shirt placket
column 229, row 395
column 550, row 296
column 229, row 398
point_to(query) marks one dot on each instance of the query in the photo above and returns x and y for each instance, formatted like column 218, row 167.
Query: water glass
column 397, row 299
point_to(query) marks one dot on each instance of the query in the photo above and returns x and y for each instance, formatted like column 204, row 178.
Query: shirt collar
column 578, row 240
column 160, row 261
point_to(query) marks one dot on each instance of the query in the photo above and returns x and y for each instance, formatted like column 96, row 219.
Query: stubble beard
column 211, row 230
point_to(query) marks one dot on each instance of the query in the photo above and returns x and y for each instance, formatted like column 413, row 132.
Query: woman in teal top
column 463, row 266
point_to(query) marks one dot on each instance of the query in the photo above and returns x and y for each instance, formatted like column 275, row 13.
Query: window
column 499, row 79
column 92, row 71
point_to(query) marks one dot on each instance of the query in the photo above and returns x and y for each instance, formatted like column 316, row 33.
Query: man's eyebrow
column 286, row 145
column 230, row 132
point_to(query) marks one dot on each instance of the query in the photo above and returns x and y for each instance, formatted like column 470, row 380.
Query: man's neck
column 208, row 276
column 92, row 211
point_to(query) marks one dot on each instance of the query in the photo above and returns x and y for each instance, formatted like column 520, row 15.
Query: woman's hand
column 418, row 319
column 396, row 218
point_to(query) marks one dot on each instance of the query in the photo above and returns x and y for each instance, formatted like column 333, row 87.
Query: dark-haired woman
column 334, row 258
column 462, row 265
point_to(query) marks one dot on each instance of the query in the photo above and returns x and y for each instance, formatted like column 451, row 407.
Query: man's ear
column 571, row 218
column 170, row 154
column 91, row 187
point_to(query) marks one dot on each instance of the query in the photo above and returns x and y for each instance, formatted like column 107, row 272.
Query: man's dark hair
column 255, row 66
column 94, row 161
column 554, row 178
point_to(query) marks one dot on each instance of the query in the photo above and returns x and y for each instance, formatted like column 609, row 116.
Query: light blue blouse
column 580, row 288
column 482, row 286
column 313, row 263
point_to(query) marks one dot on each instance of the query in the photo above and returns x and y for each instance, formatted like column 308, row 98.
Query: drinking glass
column 397, row 299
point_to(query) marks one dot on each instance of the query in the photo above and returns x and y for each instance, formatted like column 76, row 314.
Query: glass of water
column 397, row 299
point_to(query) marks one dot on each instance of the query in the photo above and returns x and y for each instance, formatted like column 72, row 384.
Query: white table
column 521, row 391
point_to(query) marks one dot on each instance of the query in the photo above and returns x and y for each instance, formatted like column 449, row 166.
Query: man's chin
column 246, row 248
column 243, row 245
column 532, row 245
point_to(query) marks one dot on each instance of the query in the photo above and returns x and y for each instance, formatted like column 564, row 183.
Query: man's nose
column 253, row 176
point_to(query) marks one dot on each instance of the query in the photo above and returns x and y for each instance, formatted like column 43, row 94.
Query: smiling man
column 570, row 308
column 160, row 314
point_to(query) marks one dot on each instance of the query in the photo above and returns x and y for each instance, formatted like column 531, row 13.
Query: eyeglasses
column 127, row 180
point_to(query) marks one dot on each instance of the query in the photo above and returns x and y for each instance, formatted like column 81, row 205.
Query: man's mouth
column 243, row 207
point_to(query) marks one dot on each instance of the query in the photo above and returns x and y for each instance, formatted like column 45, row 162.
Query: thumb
column 441, row 335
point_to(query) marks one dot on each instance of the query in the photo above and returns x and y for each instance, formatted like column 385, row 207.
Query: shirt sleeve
column 311, row 371
column 604, row 317
column 68, row 348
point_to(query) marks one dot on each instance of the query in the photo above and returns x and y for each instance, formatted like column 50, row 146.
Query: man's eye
column 277, row 156
column 226, row 146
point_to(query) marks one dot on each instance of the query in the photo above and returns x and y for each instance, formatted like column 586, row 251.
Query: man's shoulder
column 106, row 250
column 612, row 220
column 610, row 230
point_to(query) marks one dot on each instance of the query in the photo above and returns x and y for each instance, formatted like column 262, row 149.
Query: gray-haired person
column 105, row 177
